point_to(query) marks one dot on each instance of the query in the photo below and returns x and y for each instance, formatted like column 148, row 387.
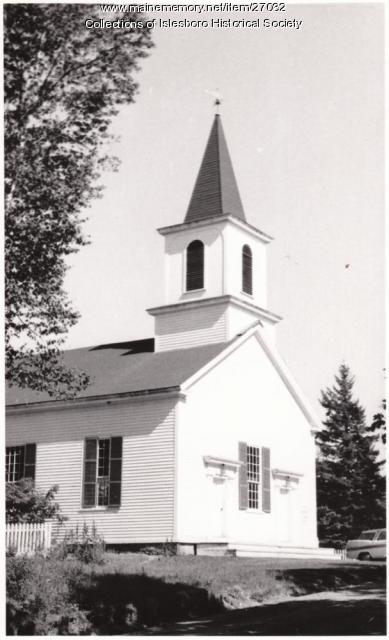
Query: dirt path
column 357, row 610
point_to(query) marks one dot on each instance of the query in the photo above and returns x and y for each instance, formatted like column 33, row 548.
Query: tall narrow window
column 253, row 477
column 195, row 266
column 102, row 472
column 247, row 270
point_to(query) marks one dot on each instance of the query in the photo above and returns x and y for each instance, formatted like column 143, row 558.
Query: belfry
column 215, row 261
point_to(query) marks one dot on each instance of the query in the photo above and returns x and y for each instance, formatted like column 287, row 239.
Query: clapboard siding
column 191, row 327
column 146, row 513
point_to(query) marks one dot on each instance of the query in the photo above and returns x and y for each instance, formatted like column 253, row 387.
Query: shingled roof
column 216, row 191
column 126, row 367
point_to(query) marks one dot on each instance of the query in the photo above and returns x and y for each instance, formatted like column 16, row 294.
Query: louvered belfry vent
column 247, row 270
column 195, row 266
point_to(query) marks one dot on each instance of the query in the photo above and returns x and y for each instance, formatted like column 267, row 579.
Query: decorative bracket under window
column 286, row 480
column 221, row 467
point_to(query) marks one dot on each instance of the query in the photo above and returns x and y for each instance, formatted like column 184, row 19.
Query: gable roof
column 134, row 368
column 215, row 192
column 126, row 367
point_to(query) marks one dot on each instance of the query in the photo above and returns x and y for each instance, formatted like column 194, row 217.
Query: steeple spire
column 216, row 191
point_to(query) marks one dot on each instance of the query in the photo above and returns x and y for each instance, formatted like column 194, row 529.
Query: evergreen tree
column 378, row 425
column 349, row 483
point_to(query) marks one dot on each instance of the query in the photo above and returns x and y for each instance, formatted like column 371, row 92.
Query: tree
column 378, row 425
column 350, row 487
column 25, row 503
column 63, row 85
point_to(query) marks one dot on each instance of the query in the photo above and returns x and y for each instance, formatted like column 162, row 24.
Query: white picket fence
column 28, row 537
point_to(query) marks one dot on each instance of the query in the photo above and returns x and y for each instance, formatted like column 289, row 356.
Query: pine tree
column 349, row 482
column 378, row 425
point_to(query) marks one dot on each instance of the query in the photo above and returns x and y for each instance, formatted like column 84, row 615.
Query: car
column 370, row 545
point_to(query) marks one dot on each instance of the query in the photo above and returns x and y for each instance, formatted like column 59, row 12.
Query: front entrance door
column 217, row 507
column 285, row 516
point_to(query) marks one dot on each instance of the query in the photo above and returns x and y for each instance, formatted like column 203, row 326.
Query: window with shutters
column 247, row 270
column 254, row 478
column 102, row 472
column 195, row 266
column 20, row 462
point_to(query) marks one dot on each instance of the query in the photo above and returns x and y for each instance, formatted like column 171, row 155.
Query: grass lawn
column 242, row 582
column 131, row 592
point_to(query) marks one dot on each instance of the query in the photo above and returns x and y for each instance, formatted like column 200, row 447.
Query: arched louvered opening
column 247, row 270
column 195, row 266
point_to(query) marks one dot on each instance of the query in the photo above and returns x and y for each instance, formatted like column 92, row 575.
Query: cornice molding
column 218, row 300
column 206, row 222
column 114, row 398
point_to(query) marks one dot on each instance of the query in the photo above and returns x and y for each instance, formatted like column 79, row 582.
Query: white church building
column 198, row 436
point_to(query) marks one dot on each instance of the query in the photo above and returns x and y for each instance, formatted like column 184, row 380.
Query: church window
column 254, row 478
column 195, row 266
column 102, row 472
column 20, row 462
column 247, row 270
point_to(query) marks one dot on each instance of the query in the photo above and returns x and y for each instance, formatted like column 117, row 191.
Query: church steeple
column 215, row 262
column 215, row 192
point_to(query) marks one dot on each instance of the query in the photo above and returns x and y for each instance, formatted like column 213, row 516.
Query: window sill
column 187, row 293
column 249, row 295
column 98, row 509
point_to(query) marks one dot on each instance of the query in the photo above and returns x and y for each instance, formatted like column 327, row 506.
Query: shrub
column 25, row 503
column 87, row 546
column 40, row 600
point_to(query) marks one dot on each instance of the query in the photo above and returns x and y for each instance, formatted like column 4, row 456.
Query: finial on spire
column 217, row 99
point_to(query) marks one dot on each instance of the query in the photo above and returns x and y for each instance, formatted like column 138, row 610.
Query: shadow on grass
column 139, row 604
column 313, row 580
column 320, row 617
column 117, row 603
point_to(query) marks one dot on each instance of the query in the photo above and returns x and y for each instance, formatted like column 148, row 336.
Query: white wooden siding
column 243, row 399
column 146, row 513
column 191, row 327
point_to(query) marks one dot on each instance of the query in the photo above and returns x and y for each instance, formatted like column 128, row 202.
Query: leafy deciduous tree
column 63, row 84
column 25, row 503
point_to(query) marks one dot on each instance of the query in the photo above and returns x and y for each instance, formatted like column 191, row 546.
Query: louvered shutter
column 266, row 499
column 195, row 266
column 90, row 465
column 29, row 461
column 115, row 475
column 247, row 270
column 243, row 484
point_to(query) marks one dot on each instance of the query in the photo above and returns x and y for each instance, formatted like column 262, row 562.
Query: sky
column 302, row 110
